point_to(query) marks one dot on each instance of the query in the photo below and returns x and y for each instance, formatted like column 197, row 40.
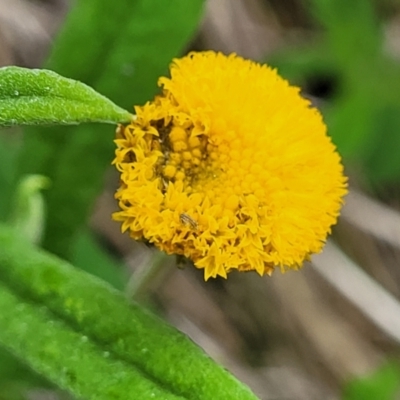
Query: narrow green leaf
column 382, row 384
column 383, row 162
column 42, row 97
column 129, row 333
column 68, row 358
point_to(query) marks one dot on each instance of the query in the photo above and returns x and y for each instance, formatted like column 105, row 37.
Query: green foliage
column 69, row 358
column 9, row 148
column 41, row 97
column 16, row 379
column 120, row 51
column 92, row 342
column 362, row 113
column 88, row 255
column 383, row 384
column 28, row 213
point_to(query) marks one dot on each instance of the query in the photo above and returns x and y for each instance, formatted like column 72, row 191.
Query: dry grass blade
column 372, row 217
column 354, row 284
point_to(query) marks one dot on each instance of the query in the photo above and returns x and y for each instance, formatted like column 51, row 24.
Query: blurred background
column 330, row 331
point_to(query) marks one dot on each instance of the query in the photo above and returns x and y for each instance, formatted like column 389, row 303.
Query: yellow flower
column 229, row 167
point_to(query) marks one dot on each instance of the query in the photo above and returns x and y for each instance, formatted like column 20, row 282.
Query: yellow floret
column 169, row 171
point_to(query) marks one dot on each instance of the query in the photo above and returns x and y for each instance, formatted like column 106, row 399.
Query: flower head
column 229, row 167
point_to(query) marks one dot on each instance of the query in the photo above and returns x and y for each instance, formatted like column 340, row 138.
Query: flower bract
column 229, row 166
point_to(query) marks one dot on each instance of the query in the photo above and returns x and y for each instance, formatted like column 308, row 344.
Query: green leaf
column 79, row 332
column 41, row 97
column 352, row 29
column 28, row 213
column 88, row 255
column 9, row 147
column 16, row 378
column 67, row 357
column 383, row 163
column 383, row 384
